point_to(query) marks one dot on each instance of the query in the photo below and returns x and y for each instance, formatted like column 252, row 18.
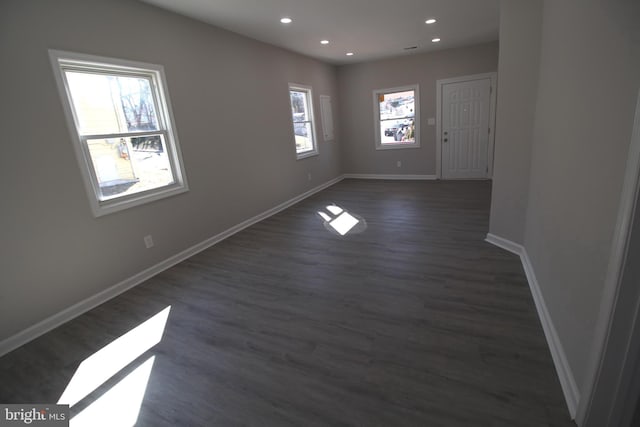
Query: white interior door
column 465, row 129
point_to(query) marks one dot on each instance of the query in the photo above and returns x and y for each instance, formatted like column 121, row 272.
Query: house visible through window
column 397, row 117
column 123, row 132
column 303, row 127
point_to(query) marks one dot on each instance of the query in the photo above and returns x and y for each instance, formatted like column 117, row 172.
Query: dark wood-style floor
column 413, row 321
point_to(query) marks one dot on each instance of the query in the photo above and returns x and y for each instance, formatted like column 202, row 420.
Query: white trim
column 155, row 73
column 505, row 244
column 493, row 76
column 394, row 177
column 312, row 120
column 396, row 146
column 613, row 279
column 416, row 117
column 565, row 375
column 44, row 326
column 306, row 154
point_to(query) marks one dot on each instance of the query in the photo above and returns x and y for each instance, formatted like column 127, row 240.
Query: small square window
column 123, row 131
column 397, row 118
column 303, row 125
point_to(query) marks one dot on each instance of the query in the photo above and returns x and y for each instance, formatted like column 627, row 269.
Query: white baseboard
column 565, row 375
column 394, row 177
column 44, row 326
column 505, row 244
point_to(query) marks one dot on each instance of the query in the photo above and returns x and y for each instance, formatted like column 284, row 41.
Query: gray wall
column 518, row 65
column 589, row 79
column 357, row 83
column 587, row 85
column 231, row 109
column 618, row 383
column 232, row 113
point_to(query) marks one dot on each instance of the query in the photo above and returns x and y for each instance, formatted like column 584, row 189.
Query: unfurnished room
column 320, row 213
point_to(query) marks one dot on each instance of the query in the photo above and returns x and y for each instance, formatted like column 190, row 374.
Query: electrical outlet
column 399, row 164
column 148, row 241
column 309, row 176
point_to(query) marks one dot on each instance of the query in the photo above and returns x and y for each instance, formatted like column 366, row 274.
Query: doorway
column 465, row 122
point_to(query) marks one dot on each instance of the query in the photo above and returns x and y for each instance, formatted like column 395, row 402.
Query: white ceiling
column 372, row 29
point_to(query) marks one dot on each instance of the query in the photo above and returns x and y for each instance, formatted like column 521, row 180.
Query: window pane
column 299, row 105
column 130, row 165
column 304, row 137
column 106, row 104
column 397, row 105
column 397, row 131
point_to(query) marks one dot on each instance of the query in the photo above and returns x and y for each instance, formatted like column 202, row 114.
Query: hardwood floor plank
column 411, row 320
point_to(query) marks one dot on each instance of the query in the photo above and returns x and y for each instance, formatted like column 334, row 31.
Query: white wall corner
column 565, row 375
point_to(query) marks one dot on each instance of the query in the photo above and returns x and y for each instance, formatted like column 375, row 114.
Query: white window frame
column 376, row 117
column 62, row 61
column 314, row 142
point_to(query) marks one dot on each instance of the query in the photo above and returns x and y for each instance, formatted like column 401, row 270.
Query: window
column 397, row 117
column 123, row 133
column 302, row 113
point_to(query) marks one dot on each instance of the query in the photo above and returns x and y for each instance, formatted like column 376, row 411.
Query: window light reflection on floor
column 325, row 216
column 340, row 220
column 120, row 406
column 344, row 223
column 108, row 361
column 336, row 210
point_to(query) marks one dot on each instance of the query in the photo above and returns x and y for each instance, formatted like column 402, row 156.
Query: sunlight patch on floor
column 340, row 220
column 96, row 369
column 120, row 406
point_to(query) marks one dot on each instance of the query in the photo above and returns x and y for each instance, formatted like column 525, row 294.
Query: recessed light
column 430, row 21
column 286, row 20
column 324, row 41
column 349, row 53
column 436, row 40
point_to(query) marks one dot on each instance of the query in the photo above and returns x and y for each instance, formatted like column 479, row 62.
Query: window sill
column 116, row 205
column 396, row 146
column 306, row 155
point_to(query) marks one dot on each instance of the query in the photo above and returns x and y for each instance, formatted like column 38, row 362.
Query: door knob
column 445, row 140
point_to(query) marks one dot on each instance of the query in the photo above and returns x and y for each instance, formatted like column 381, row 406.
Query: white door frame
column 614, row 393
column 492, row 116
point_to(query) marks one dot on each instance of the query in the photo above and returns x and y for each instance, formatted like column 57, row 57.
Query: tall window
column 397, row 117
column 302, row 113
column 124, row 137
